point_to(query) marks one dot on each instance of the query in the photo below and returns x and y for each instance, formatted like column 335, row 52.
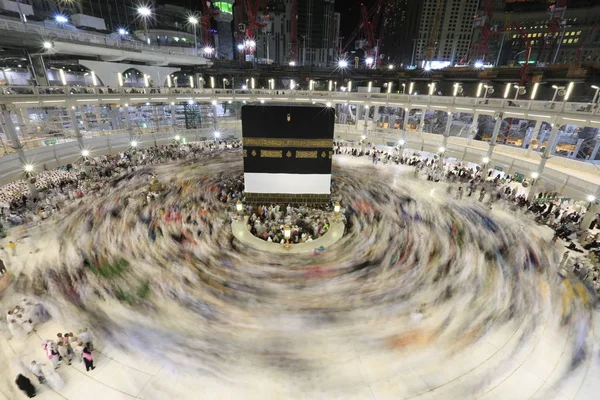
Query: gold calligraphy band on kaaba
column 245, row 153
column 271, row 153
column 295, row 143
column 306, row 154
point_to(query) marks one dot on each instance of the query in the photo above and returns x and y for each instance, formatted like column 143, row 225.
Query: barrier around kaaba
column 287, row 153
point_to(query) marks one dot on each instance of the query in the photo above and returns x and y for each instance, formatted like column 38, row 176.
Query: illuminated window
column 224, row 7
column 578, row 32
column 576, row 40
column 570, row 41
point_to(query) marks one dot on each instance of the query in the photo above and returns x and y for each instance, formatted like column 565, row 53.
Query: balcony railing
column 542, row 108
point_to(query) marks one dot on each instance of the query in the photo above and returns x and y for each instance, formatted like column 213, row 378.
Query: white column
column 447, row 131
column 11, row 132
column 492, row 144
column 215, row 121
column 473, row 129
column 75, row 126
column 128, row 122
column 545, row 156
column 376, row 117
column 365, row 126
column 533, row 134
column 174, row 119
column 422, row 126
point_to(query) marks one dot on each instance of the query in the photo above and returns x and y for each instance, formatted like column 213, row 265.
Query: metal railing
column 440, row 103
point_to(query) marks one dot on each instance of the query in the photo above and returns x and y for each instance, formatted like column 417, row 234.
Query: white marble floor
column 491, row 370
column 532, row 373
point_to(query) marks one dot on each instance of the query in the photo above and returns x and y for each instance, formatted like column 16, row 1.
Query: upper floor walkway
column 110, row 47
column 555, row 112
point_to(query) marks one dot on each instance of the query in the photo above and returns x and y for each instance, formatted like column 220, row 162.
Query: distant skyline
column 349, row 10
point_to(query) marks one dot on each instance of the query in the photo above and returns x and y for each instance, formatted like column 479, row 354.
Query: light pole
column 488, row 89
column 145, row 13
column 194, row 21
column 557, row 90
column 595, row 94
column 520, row 90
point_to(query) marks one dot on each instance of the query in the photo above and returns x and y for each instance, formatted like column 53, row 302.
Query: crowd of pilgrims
column 58, row 187
column 492, row 189
column 183, row 219
column 306, row 223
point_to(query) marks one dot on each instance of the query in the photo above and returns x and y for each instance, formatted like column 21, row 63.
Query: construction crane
column 370, row 30
column 480, row 49
column 577, row 58
column 208, row 13
column 434, row 31
column 252, row 8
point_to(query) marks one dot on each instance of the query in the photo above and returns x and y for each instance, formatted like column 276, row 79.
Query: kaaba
column 287, row 153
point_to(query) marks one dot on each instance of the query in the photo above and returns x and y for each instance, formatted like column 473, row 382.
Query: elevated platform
column 335, row 233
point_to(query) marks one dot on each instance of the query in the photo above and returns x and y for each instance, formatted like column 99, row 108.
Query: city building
column 224, row 35
column 401, row 31
column 445, row 30
column 557, row 35
column 315, row 34
column 317, row 38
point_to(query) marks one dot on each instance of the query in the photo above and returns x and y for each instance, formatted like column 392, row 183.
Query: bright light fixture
column 240, row 47
column 591, row 198
column 485, row 160
column 391, row 66
column 535, row 175
column 134, row 143
column 569, row 90
column 363, row 137
column 534, row 90
column 47, row 45
column 192, row 20
column 292, row 63
column 369, row 60
column 328, row 104
column 208, row 50
column 262, row 102
column 122, row 32
column 217, row 134
column 343, row 64
column 478, row 65
column 442, row 149
column 28, row 167
column 61, row 19
column 401, row 142
column 85, row 153
column 144, row 11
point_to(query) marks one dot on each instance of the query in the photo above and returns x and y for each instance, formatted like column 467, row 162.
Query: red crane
column 480, row 48
column 577, row 58
column 371, row 28
column 207, row 15
column 254, row 25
